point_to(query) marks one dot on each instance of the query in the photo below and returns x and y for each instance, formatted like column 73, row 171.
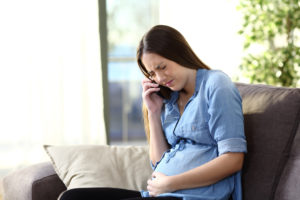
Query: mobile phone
column 159, row 92
column 162, row 92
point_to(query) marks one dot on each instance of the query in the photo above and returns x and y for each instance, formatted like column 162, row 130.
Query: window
column 127, row 21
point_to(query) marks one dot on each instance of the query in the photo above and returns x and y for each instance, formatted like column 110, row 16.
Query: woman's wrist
column 154, row 115
column 174, row 184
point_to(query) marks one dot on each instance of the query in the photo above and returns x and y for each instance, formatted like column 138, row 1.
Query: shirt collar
column 198, row 80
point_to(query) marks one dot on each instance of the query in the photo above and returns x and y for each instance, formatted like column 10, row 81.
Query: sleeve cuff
column 145, row 193
column 232, row 145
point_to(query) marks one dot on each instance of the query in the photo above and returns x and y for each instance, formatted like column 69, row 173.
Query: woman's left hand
column 159, row 184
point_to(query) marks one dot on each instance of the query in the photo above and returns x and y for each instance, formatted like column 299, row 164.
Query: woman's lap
column 106, row 193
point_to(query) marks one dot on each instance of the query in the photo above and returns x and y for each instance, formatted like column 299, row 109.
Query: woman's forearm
column 158, row 144
column 209, row 173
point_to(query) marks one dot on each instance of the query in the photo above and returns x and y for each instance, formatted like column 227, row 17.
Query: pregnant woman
column 193, row 119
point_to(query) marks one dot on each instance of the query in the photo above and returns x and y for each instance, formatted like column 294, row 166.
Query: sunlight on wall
column 50, row 78
column 211, row 29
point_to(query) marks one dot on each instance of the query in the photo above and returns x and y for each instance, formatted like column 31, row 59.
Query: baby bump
column 184, row 157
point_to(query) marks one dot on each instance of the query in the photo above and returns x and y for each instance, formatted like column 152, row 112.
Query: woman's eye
column 164, row 67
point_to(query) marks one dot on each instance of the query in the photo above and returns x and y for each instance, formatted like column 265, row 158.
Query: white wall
column 211, row 29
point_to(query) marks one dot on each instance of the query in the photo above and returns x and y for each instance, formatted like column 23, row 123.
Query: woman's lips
column 169, row 83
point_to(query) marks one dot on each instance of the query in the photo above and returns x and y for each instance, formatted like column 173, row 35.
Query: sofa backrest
column 272, row 164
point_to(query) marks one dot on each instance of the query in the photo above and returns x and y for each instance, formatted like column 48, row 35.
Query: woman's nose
column 160, row 79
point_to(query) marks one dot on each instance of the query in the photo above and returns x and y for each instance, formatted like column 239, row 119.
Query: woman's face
column 165, row 72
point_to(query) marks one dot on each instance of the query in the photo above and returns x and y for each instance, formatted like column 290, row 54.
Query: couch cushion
column 288, row 188
column 80, row 166
column 271, row 117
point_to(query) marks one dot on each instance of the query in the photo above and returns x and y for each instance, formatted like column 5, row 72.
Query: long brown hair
column 168, row 43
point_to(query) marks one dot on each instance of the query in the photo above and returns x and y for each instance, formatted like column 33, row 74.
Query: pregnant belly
column 183, row 158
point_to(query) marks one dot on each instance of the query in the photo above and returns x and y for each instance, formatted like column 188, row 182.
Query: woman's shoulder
column 217, row 75
column 216, row 78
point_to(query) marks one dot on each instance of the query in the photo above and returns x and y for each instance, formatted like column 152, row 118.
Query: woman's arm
column 206, row 174
column 157, row 144
column 209, row 173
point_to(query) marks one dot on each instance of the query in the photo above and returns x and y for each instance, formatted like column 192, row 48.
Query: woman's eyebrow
column 157, row 67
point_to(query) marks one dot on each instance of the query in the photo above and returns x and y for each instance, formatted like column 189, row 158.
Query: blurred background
column 68, row 74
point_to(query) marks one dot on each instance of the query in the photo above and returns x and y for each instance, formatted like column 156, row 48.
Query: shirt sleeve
column 226, row 123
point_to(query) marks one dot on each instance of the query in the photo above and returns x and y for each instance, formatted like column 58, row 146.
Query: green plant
column 273, row 26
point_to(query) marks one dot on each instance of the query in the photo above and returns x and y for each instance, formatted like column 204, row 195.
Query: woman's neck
column 189, row 88
column 187, row 92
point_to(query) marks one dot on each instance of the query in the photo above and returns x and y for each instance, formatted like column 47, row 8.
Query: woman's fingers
column 148, row 85
column 152, row 101
column 150, row 91
column 148, row 82
column 150, row 188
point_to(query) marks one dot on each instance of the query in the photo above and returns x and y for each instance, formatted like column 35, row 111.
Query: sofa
column 271, row 169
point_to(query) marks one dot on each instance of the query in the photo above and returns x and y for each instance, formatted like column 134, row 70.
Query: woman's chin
column 174, row 89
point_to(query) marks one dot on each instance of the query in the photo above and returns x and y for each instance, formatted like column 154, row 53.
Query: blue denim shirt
column 211, row 125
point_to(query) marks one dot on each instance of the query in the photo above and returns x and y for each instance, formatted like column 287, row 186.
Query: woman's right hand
column 151, row 99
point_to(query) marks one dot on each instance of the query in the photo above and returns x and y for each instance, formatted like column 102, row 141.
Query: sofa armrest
column 35, row 182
